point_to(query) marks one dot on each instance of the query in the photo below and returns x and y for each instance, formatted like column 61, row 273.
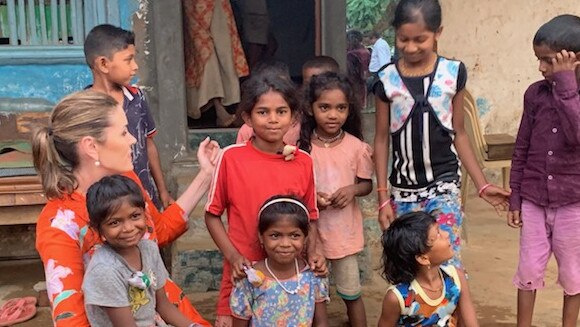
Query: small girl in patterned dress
column 424, row 291
column 281, row 290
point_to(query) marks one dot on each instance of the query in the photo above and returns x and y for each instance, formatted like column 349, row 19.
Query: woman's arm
column 391, row 311
column 466, row 308
column 172, row 223
column 206, row 155
column 381, row 154
column 168, row 311
column 494, row 195
column 121, row 317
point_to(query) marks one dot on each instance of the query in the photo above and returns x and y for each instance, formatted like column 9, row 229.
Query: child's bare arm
column 391, row 311
column 237, row 322
column 320, row 315
column 218, row 232
column 381, row 156
column 466, row 308
column 168, row 311
column 316, row 260
column 345, row 195
column 157, row 174
column 121, row 317
column 496, row 196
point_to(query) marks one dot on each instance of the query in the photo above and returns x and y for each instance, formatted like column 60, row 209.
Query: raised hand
column 207, row 154
column 565, row 60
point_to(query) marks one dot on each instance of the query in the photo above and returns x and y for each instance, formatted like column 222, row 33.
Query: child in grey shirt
column 123, row 283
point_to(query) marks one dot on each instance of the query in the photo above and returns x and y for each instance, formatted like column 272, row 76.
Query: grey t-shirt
column 106, row 284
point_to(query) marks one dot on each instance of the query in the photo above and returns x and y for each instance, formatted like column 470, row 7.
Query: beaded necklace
column 328, row 140
column 294, row 291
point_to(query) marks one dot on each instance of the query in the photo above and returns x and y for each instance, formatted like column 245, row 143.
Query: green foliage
column 363, row 15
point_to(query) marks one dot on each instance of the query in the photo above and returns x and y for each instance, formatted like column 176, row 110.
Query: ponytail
column 55, row 147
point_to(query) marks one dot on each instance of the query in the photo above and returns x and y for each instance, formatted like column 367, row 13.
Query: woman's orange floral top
column 65, row 243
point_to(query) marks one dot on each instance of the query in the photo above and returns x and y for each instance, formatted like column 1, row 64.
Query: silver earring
column 97, row 163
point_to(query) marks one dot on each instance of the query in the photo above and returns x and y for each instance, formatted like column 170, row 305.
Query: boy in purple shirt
column 545, row 175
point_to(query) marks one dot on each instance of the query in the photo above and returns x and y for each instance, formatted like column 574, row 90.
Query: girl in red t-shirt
column 248, row 174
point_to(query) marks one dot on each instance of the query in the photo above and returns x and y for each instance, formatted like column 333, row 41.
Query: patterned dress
column 66, row 243
column 417, row 309
column 270, row 305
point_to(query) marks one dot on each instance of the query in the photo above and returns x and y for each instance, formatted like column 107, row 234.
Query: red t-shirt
column 244, row 179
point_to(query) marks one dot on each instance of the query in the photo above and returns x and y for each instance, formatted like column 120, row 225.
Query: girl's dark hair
column 411, row 11
column 354, row 40
column 403, row 241
column 270, row 214
column 259, row 84
column 107, row 195
column 325, row 82
column 560, row 33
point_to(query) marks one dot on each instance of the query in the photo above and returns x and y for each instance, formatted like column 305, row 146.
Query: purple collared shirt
column 546, row 162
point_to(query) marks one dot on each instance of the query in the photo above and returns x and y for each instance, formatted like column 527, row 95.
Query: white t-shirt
column 380, row 56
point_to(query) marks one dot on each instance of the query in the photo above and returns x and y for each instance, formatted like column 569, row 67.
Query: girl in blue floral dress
column 281, row 290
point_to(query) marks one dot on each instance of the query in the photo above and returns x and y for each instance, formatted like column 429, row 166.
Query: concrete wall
column 494, row 39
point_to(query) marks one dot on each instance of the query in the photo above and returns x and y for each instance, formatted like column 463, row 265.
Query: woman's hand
column 207, row 154
column 497, row 197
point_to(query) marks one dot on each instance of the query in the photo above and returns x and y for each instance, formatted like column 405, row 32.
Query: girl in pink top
column 343, row 168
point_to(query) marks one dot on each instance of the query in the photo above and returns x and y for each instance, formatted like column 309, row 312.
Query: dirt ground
column 490, row 256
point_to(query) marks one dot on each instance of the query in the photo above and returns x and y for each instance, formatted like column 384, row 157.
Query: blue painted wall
column 52, row 82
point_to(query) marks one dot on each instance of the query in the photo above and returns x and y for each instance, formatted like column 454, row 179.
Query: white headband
column 290, row 200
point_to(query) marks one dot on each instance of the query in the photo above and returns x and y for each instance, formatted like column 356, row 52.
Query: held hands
column 207, row 154
column 514, row 219
column 496, row 196
column 565, row 60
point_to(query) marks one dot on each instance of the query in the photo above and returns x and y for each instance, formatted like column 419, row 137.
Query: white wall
column 494, row 40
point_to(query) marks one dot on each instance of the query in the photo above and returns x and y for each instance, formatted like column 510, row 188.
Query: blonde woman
column 87, row 139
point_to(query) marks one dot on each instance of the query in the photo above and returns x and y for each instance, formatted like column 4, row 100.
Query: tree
column 371, row 15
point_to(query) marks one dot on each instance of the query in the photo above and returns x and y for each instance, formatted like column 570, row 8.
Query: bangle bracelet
column 483, row 188
column 380, row 189
column 384, row 204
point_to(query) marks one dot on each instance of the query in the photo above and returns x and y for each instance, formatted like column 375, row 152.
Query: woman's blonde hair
column 54, row 147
